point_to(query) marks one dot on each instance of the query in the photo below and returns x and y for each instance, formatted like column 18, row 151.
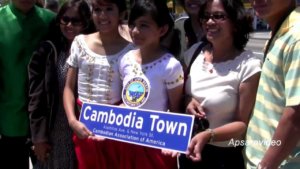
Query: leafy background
column 4, row 2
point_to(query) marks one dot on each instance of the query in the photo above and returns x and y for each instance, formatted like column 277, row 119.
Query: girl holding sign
column 94, row 64
column 152, row 77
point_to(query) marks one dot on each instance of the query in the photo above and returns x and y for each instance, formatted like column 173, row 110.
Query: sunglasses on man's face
column 217, row 16
column 65, row 20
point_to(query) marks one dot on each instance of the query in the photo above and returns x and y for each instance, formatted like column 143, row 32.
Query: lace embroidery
column 177, row 80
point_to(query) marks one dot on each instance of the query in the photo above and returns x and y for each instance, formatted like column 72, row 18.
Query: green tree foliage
column 3, row 2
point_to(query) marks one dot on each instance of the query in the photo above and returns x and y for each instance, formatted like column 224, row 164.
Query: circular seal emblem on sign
column 136, row 92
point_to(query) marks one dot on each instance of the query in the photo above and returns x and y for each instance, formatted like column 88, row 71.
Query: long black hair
column 159, row 12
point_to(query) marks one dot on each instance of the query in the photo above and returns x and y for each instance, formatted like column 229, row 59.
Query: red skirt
column 139, row 157
column 92, row 154
column 97, row 154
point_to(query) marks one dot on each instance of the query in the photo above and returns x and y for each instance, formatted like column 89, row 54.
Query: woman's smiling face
column 216, row 24
column 71, row 24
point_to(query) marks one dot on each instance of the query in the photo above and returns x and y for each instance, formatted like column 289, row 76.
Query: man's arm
column 288, row 132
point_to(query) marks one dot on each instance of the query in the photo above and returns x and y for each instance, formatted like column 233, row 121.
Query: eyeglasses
column 65, row 20
column 218, row 16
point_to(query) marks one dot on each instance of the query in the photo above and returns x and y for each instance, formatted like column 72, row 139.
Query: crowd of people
column 54, row 59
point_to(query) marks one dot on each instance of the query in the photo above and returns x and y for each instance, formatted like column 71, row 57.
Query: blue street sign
column 162, row 130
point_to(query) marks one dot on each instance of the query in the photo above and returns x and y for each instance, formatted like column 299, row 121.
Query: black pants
column 214, row 157
column 14, row 152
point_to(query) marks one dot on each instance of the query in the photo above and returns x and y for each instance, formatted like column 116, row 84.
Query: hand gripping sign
column 162, row 130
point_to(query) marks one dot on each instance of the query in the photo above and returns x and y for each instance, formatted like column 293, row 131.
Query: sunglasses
column 65, row 20
column 218, row 16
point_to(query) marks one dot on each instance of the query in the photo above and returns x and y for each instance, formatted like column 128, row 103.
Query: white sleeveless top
column 98, row 75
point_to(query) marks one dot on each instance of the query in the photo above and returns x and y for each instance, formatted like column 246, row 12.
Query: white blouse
column 216, row 85
column 152, row 79
column 98, row 75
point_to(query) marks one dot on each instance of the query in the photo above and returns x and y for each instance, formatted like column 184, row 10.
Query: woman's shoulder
column 125, row 51
column 84, row 37
column 192, row 49
column 247, row 63
column 249, row 56
column 128, row 54
column 188, row 54
column 46, row 46
column 172, row 68
column 82, row 40
column 169, row 61
column 87, row 37
column 127, row 46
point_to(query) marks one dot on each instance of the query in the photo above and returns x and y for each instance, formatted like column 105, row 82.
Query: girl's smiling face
column 106, row 16
column 144, row 31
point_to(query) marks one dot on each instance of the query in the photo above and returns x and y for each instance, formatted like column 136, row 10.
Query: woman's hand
column 82, row 132
column 169, row 153
column 194, row 108
column 42, row 150
column 80, row 129
column 97, row 138
column 196, row 145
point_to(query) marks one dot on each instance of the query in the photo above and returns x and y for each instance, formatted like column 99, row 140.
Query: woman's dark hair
column 159, row 12
column 121, row 4
column 181, row 3
column 84, row 12
column 241, row 20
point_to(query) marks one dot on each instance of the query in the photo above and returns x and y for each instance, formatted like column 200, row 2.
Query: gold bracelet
column 212, row 135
